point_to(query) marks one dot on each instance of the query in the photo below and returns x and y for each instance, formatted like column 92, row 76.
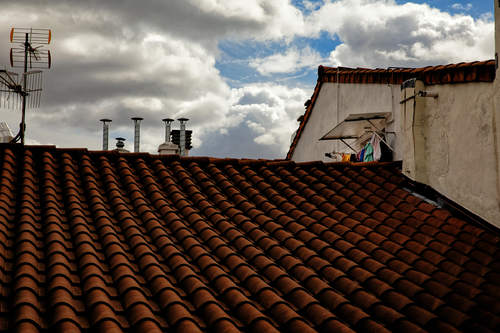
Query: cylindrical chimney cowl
column 120, row 143
column 168, row 128
column 183, row 136
column 105, row 133
column 137, row 133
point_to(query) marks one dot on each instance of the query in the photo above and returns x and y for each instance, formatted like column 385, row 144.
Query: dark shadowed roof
column 102, row 242
column 477, row 71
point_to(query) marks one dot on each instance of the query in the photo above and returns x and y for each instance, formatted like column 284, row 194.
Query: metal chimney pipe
column 183, row 136
column 168, row 128
column 105, row 133
column 137, row 133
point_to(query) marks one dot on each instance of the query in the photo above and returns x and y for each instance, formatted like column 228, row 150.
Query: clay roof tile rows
column 98, row 242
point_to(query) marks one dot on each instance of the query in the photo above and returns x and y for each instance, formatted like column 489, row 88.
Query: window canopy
column 355, row 125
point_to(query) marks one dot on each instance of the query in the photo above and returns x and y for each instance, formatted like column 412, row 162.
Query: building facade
column 444, row 124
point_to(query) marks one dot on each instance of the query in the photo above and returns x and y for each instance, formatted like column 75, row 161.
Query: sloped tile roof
column 102, row 242
column 477, row 71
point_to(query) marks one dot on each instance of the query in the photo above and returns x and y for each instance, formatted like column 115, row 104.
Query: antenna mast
column 28, row 91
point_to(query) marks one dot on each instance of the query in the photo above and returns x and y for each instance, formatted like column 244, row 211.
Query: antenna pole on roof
column 23, row 111
column 30, row 87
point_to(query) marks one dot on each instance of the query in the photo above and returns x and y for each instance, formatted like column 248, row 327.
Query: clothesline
column 363, row 137
column 372, row 151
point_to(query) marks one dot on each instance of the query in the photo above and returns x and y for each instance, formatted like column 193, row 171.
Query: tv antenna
column 30, row 52
column 25, row 93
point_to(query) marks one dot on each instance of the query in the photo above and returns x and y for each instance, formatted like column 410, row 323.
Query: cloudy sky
column 240, row 70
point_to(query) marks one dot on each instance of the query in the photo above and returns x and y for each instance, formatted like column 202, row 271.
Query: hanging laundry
column 360, row 155
column 346, row 158
column 368, row 153
column 377, row 151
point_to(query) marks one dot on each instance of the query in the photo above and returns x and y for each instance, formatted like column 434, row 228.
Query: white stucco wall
column 454, row 147
column 354, row 98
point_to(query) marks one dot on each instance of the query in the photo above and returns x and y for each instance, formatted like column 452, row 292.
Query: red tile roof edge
column 197, row 159
column 305, row 118
column 476, row 71
column 463, row 213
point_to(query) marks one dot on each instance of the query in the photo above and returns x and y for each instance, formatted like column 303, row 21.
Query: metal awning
column 355, row 125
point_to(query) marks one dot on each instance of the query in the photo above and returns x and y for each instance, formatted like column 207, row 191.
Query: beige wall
column 452, row 145
column 354, row 98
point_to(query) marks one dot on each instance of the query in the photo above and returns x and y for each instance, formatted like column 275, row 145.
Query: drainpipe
column 338, row 102
column 105, row 133
column 338, row 94
column 183, row 136
column 137, row 133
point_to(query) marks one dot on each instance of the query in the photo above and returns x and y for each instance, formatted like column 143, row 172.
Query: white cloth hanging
column 377, row 152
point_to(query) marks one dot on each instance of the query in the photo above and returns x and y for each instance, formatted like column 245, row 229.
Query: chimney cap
column 137, row 119
column 105, row 120
column 182, row 119
column 119, row 142
column 167, row 119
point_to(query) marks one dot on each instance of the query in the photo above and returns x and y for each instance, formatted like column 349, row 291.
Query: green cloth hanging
column 368, row 153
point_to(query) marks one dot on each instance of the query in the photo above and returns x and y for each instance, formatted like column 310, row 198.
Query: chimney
column 168, row 128
column 105, row 133
column 137, row 133
column 120, row 145
column 168, row 148
column 182, row 142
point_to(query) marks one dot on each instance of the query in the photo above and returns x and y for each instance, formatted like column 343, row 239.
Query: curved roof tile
column 136, row 242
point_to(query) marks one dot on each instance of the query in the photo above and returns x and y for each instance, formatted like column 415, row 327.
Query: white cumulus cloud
column 289, row 62
column 460, row 6
column 385, row 33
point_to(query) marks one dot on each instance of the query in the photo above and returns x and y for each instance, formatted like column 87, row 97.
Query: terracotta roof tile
column 98, row 242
